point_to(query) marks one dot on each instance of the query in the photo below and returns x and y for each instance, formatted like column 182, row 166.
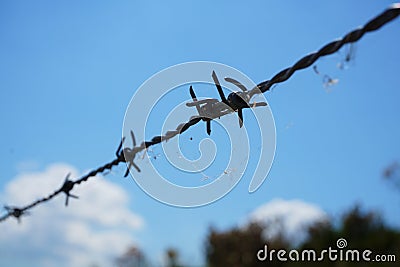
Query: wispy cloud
column 92, row 230
column 287, row 217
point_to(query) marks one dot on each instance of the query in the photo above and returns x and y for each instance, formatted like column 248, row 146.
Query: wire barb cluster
column 208, row 110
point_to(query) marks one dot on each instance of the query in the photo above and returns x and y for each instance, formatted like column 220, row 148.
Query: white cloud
column 287, row 217
column 92, row 230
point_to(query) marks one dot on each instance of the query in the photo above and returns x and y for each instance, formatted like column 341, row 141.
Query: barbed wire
column 211, row 109
column 374, row 24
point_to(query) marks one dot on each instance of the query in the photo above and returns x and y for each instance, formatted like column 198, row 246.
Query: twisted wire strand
column 128, row 154
column 20, row 211
column 389, row 14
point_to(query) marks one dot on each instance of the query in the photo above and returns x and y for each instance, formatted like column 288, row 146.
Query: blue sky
column 69, row 69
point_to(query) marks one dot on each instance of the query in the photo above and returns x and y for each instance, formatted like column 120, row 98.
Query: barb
column 67, row 187
column 16, row 212
column 210, row 109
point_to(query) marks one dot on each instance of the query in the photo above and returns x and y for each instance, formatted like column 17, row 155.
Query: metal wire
column 127, row 155
column 389, row 14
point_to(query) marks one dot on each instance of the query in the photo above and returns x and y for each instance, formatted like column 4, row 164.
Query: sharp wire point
column 237, row 83
column 240, row 115
column 219, row 87
column 192, row 94
column 118, row 152
column 208, row 125
column 133, row 138
column 136, row 167
column 127, row 170
column 67, row 177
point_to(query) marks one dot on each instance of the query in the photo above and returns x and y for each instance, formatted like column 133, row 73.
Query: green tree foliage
column 238, row 247
column 133, row 257
column 392, row 174
column 362, row 230
column 172, row 257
